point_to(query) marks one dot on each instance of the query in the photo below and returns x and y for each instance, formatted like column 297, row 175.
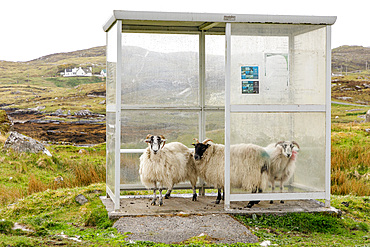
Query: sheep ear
column 147, row 140
column 279, row 143
column 295, row 143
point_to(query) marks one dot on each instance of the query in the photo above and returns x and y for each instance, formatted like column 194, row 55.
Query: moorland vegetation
column 38, row 192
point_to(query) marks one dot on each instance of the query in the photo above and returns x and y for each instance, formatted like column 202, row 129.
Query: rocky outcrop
column 5, row 123
column 21, row 143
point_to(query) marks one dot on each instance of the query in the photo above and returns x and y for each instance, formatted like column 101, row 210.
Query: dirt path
column 216, row 228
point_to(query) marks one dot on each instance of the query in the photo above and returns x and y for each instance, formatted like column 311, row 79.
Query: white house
column 103, row 73
column 78, row 72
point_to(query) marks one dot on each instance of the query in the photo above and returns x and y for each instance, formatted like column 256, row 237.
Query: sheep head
column 200, row 148
column 287, row 148
column 155, row 142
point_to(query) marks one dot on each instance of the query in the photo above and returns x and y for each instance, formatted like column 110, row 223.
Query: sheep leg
column 168, row 194
column 281, row 189
column 273, row 189
column 218, row 199
column 251, row 203
column 194, row 193
column 154, row 195
column 160, row 197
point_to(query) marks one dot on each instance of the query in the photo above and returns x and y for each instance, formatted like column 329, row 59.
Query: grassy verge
column 39, row 193
column 53, row 217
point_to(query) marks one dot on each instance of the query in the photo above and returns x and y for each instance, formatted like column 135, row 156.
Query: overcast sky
column 31, row 29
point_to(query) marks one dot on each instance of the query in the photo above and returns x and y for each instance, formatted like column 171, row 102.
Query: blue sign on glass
column 250, row 87
column 249, row 72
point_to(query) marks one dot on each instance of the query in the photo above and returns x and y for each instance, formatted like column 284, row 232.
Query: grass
column 38, row 191
column 55, row 218
column 50, row 99
column 69, row 167
column 51, row 214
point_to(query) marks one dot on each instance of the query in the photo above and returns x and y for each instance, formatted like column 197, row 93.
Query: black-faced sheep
column 248, row 169
column 166, row 165
column 282, row 165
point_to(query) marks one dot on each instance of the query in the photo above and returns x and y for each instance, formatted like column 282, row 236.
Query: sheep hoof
column 160, row 203
column 271, row 202
column 281, row 201
column 217, row 201
column 167, row 196
column 194, row 197
column 152, row 203
column 250, row 204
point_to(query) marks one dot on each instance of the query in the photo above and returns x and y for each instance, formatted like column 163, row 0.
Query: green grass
column 308, row 229
column 53, row 213
column 73, row 81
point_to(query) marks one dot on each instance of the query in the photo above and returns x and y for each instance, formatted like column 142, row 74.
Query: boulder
column 21, row 143
column 81, row 199
column 83, row 113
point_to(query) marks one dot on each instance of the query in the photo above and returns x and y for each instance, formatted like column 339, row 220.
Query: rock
column 102, row 102
column 58, row 112
column 83, row 113
column 344, row 98
column 81, row 199
column 21, row 143
column 367, row 116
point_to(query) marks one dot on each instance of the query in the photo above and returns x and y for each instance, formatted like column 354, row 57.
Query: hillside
column 350, row 58
column 36, row 71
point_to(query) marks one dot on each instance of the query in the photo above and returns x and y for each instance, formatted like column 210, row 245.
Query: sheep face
column 200, row 148
column 287, row 148
column 155, row 142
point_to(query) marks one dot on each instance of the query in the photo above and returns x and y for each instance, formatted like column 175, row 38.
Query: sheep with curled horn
column 249, row 165
column 166, row 165
column 283, row 157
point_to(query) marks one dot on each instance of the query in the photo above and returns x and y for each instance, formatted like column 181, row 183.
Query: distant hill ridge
column 346, row 57
column 350, row 58
column 91, row 52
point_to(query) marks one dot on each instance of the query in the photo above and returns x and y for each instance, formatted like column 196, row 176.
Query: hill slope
column 350, row 58
column 35, row 71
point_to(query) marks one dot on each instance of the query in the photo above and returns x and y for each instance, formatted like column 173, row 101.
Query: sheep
column 248, row 170
column 282, row 164
column 168, row 165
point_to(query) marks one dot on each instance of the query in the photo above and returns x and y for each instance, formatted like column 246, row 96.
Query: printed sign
column 249, row 72
column 250, row 79
column 249, row 87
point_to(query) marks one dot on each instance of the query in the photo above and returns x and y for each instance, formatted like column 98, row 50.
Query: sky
column 31, row 29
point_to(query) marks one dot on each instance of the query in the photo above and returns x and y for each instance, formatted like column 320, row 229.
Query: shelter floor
column 182, row 205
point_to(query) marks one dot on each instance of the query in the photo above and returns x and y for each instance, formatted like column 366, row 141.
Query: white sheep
column 248, row 169
column 282, row 162
column 167, row 165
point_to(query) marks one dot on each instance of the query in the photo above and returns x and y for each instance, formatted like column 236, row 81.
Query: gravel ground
column 220, row 228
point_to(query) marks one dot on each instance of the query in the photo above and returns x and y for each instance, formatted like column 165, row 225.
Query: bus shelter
column 233, row 78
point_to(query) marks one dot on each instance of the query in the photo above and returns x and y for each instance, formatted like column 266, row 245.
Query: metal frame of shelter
column 203, row 24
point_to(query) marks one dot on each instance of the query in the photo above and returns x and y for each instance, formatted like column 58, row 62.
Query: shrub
column 5, row 226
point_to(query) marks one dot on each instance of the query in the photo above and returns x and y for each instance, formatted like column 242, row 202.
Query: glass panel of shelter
column 281, row 65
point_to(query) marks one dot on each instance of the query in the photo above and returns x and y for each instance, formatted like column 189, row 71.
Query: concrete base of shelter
column 182, row 205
